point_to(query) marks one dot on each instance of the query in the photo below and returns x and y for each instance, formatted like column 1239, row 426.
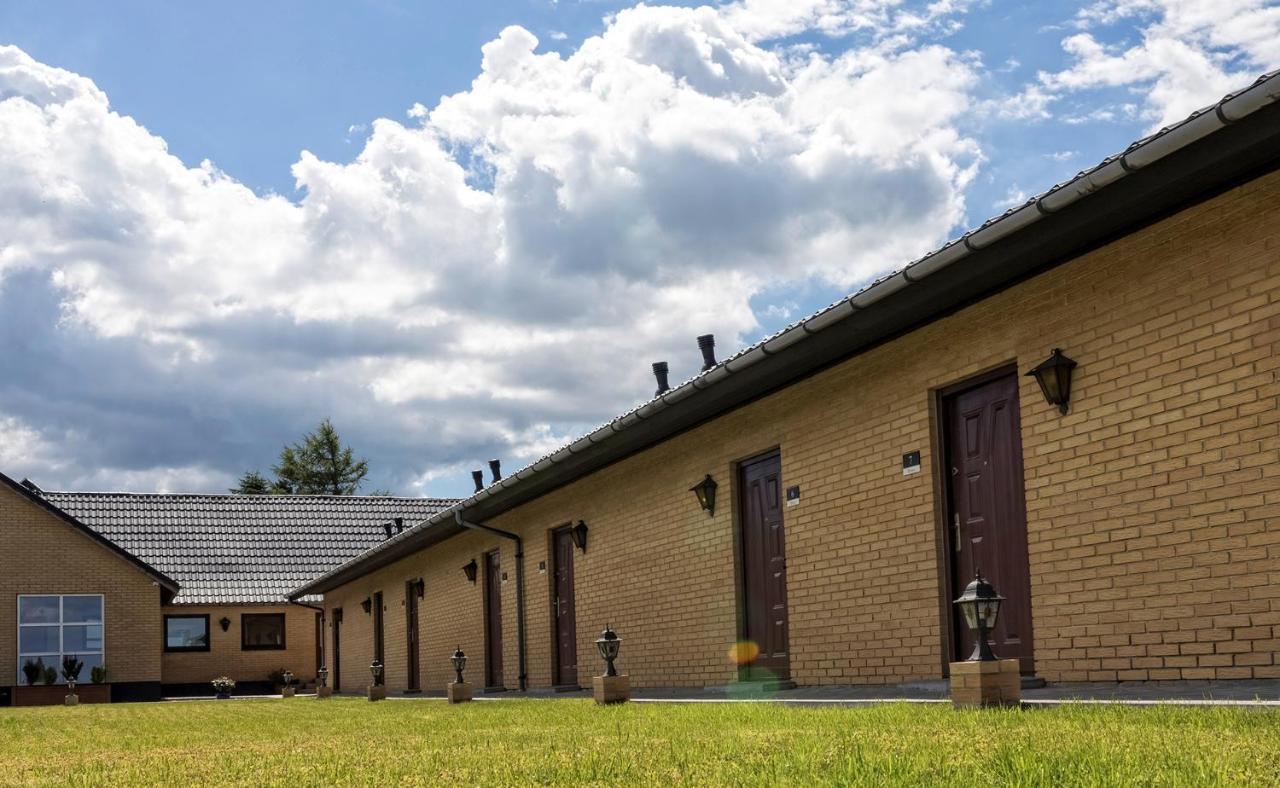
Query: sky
column 463, row 231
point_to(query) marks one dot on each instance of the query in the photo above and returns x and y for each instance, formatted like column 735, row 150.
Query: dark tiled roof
column 224, row 549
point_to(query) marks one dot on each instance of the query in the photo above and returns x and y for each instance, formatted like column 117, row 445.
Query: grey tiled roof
column 224, row 549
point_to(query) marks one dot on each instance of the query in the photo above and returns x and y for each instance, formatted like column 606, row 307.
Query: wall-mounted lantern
column 1054, row 376
column 579, row 536
column 706, row 492
column 980, row 606
column 367, row 606
column 470, row 570
column 225, row 623
column 419, row 587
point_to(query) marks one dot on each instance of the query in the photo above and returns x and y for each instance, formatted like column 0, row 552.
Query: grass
column 303, row 741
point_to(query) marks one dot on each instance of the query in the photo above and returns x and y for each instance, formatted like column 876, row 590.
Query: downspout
column 324, row 635
column 520, row 641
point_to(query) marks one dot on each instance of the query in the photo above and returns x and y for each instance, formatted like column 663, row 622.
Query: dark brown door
column 411, row 630
column 492, row 620
column 319, row 639
column 565, row 611
column 378, row 632
column 987, row 513
column 764, row 567
column 335, row 670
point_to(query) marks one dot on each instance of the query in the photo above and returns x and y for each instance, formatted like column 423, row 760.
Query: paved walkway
column 1260, row 692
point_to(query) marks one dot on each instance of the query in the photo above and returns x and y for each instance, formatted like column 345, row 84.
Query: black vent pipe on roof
column 707, row 344
column 399, row 524
column 495, row 467
column 478, row 478
column 660, row 372
column 387, row 527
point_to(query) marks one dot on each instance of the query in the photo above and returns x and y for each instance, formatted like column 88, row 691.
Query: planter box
column 56, row 694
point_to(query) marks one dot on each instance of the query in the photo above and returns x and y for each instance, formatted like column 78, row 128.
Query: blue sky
column 237, row 219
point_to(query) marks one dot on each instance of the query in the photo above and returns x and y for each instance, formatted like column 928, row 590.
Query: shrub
column 98, row 674
column 33, row 671
column 48, row 674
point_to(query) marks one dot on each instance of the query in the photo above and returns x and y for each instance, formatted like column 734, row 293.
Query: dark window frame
column 208, row 634
column 244, row 630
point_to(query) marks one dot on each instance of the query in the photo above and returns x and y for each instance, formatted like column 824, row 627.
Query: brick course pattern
column 44, row 555
column 1153, row 507
column 226, row 658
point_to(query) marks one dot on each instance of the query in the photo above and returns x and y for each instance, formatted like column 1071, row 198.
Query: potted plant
column 222, row 686
column 71, row 667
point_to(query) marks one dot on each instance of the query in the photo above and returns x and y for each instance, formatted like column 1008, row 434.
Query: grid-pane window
column 52, row 627
column 186, row 633
column 261, row 631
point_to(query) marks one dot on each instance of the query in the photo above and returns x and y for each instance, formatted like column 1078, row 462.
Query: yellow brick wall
column 225, row 657
column 1153, row 507
column 42, row 554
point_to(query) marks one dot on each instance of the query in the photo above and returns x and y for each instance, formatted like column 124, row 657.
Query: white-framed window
column 53, row 626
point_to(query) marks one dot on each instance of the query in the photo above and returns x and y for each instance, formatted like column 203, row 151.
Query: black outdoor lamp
column 470, row 570
column 322, row 676
column 225, row 623
column 1054, row 376
column 375, row 668
column 706, row 492
column 419, row 588
column 459, row 661
column 367, row 605
column 980, row 605
column 608, row 644
column 288, row 678
column 579, row 536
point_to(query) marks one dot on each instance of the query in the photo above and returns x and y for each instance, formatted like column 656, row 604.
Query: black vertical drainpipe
column 520, row 642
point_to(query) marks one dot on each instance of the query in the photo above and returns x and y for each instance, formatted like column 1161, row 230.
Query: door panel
column 764, row 567
column 335, row 670
column 411, row 633
column 987, row 512
column 565, row 610
column 493, row 620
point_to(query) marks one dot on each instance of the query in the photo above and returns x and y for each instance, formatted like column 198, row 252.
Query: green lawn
column 303, row 741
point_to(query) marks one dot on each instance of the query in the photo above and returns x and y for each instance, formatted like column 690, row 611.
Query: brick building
column 183, row 588
column 868, row 459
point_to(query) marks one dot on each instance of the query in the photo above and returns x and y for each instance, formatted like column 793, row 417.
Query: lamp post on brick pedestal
column 377, row 690
column 610, row 688
column 984, row 679
column 458, row 691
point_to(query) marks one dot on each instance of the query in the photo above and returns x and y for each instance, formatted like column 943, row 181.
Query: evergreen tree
column 252, row 483
column 316, row 465
column 319, row 465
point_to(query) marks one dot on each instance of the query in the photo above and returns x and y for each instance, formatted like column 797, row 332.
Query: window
column 186, row 633
column 261, row 631
column 51, row 627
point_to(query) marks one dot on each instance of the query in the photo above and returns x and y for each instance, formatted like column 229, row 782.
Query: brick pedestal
column 458, row 692
column 324, row 692
column 377, row 692
column 611, row 689
column 71, row 700
column 983, row 684
column 288, row 692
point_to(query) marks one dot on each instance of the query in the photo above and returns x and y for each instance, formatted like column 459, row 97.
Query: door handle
column 956, row 527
